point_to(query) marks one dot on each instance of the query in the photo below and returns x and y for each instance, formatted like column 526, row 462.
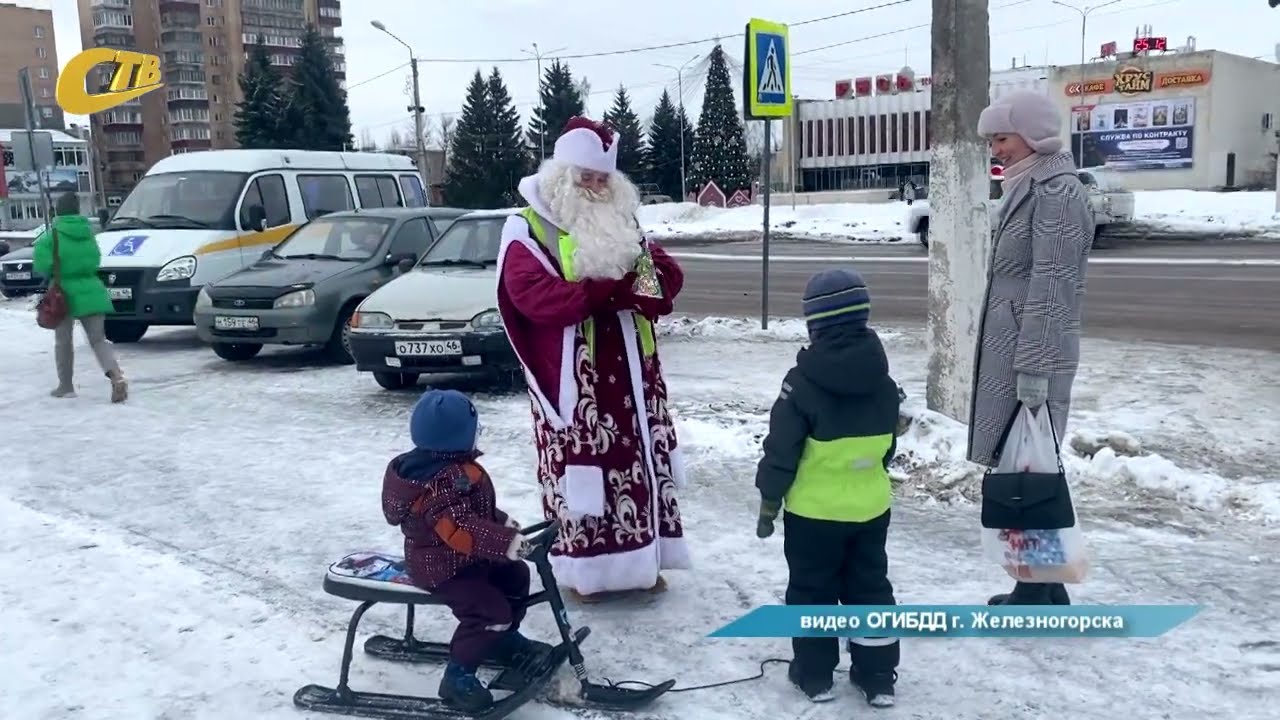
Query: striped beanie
column 835, row 297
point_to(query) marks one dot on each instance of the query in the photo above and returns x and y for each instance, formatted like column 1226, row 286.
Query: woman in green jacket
column 87, row 297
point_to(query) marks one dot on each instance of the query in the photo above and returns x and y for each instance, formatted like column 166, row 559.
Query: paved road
column 1223, row 294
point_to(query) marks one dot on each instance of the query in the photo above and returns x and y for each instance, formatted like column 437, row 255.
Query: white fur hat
column 1029, row 114
column 588, row 144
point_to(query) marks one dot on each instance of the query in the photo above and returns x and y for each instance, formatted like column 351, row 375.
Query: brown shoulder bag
column 52, row 309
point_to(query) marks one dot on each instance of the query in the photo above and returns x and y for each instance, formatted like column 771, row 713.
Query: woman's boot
column 1024, row 594
column 119, row 388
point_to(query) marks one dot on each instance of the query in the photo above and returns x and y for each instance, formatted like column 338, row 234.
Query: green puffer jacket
column 78, row 250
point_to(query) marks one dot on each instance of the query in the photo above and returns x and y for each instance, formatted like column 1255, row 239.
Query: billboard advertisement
column 1135, row 135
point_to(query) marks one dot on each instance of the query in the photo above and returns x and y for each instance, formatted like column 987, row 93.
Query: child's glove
column 768, row 512
column 520, row 548
column 511, row 523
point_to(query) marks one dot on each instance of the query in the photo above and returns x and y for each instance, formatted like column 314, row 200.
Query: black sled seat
column 371, row 578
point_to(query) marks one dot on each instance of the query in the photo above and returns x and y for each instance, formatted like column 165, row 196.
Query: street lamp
column 1084, row 17
column 542, row 136
column 684, row 193
column 420, row 145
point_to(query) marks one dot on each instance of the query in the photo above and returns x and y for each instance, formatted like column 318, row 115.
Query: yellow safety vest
column 566, row 246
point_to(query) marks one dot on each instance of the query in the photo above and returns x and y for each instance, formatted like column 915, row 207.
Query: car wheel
column 338, row 349
column 236, row 352
column 395, row 381
column 121, row 331
column 1097, row 238
column 11, row 294
column 509, row 380
column 923, row 234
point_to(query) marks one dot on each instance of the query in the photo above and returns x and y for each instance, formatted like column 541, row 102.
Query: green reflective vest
column 565, row 247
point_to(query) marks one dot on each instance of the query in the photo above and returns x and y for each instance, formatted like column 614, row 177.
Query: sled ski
column 372, row 578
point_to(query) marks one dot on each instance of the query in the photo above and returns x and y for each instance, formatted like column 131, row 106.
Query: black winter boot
column 461, row 688
column 514, row 650
column 815, row 688
column 1025, row 594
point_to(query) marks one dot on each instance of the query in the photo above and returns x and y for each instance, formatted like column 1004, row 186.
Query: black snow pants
column 839, row 563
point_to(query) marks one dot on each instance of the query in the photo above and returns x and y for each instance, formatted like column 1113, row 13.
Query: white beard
column 603, row 225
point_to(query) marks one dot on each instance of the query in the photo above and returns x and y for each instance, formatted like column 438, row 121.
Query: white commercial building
column 22, row 194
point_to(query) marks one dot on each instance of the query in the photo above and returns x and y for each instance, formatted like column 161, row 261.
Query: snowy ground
column 1183, row 212
column 162, row 559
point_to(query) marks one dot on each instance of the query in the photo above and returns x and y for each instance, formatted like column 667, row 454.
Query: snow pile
column 1189, row 211
column 837, row 222
column 1172, row 211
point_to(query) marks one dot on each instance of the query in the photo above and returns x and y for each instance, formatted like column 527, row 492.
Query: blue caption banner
column 990, row 621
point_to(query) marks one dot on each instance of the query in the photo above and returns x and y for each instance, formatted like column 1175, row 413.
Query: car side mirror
column 267, row 254
column 104, row 215
column 403, row 262
column 257, row 218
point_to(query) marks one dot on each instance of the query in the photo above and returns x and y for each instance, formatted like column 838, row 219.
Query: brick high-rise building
column 202, row 46
column 26, row 40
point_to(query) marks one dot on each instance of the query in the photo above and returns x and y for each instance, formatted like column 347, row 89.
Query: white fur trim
column 528, row 189
column 560, row 415
column 631, row 570
column 677, row 468
column 583, row 489
column 583, row 148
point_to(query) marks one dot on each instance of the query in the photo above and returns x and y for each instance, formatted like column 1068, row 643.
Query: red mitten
column 600, row 293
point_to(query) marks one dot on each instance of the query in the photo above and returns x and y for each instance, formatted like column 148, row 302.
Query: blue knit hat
column 835, row 297
column 444, row 421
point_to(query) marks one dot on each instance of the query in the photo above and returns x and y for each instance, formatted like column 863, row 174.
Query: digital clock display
column 1148, row 44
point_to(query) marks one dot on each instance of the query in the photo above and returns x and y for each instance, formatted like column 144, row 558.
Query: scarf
column 1016, row 179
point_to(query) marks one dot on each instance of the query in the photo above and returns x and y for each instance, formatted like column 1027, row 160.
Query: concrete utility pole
column 542, row 136
column 684, row 191
column 420, row 142
column 959, row 192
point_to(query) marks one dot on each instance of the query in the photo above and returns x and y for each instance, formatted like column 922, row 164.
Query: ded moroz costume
column 579, row 291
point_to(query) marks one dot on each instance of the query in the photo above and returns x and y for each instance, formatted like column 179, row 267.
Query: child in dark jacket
column 832, row 432
column 458, row 544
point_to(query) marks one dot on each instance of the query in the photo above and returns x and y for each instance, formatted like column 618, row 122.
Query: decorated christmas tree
column 719, row 145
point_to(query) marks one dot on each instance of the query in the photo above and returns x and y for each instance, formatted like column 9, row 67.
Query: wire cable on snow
column 708, row 686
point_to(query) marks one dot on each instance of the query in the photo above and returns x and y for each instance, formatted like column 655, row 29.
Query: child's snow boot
column 877, row 688
column 462, row 689
column 514, row 650
column 816, row 689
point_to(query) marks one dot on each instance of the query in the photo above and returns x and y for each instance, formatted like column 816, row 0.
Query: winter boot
column 514, row 650
column 658, row 587
column 1025, row 594
column 63, row 391
column 877, row 688
column 461, row 688
column 119, row 388
column 816, row 689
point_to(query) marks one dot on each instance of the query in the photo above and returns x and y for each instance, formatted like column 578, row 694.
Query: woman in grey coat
column 1029, row 336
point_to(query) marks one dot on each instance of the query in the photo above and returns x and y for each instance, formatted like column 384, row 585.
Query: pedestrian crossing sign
column 767, row 71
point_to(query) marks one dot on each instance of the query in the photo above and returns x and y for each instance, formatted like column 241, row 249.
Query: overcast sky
column 477, row 32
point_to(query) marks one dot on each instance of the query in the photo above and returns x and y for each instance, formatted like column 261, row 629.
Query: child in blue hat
column 458, row 544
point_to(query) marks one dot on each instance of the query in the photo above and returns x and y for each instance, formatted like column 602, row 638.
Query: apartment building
column 26, row 40
column 202, row 46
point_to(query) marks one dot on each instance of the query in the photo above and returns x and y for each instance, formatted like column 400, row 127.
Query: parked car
column 1112, row 204
column 442, row 316
column 17, row 277
column 303, row 291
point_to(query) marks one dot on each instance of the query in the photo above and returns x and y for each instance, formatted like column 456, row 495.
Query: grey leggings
column 64, row 351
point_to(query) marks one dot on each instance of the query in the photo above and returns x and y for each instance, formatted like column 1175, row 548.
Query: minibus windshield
column 200, row 199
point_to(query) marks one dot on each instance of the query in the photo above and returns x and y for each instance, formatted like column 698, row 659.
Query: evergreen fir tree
column 318, row 117
column 631, row 146
column 466, row 183
column 510, row 158
column 560, row 101
column 687, row 129
column 662, row 156
column 719, row 145
column 259, row 114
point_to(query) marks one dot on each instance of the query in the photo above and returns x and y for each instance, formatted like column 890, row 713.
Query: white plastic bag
column 1036, row 556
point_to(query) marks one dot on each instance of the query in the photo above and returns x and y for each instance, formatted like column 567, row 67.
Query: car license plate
column 420, row 348
column 120, row 293
column 17, row 276
column 235, row 322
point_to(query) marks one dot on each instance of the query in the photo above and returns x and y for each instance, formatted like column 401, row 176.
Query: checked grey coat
column 1035, row 297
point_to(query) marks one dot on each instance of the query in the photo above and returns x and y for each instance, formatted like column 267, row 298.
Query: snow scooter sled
column 372, row 578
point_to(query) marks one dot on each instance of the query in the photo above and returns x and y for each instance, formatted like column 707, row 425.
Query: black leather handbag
column 1026, row 500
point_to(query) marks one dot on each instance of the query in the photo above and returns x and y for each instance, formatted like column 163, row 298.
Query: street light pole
column 542, row 109
column 420, row 143
column 684, row 192
column 1084, row 19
